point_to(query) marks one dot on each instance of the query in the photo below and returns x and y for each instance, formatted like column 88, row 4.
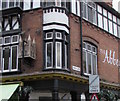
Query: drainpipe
column 80, row 19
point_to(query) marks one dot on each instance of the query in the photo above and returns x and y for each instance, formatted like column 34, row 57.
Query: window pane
column 109, row 15
column 65, row 56
column 58, row 3
column 105, row 24
column 114, row 18
column 49, row 35
column 94, row 49
column 6, row 25
column 94, row 17
column 47, row 3
column 84, row 10
column 118, row 21
column 84, row 45
column 11, row 3
column 99, row 9
column 27, row 4
column 94, row 60
column 17, row 3
column 0, row 59
column 6, row 58
column 4, row 4
column 15, row 23
column 84, row 61
column 36, row 3
column 1, row 41
column 100, row 22
column 119, row 31
column 58, row 54
column 105, row 12
column 58, row 35
column 7, row 40
column 89, row 62
column 63, row 3
column 110, row 27
column 14, row 57
column 90, row 15
column 88, row 47
column 115, row 29
column 15, row 38
column 49, row 54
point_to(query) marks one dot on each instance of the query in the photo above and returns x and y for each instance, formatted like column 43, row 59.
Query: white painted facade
column 59, row 17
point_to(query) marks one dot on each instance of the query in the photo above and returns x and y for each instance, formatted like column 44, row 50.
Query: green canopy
column 7, row 90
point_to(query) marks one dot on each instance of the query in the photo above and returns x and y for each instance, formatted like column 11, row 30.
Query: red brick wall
column 107, row 72
column 104, row 41
column 31, row 22
column 75, row 59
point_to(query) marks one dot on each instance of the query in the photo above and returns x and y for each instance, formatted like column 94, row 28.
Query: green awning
column 7, row 90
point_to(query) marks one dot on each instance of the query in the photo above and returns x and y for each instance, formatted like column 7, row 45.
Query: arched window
column 89, row 58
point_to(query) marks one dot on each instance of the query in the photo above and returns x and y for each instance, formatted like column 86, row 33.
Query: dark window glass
column 11, row 4
column 84, row 61
column 14, row 57
column 1, row 41
column 49, row 54
column 6, row 58
column 94, row 58
column 4, row 4
column 0, row 59
column 89, row 62
column 7, row 40
column 15, row 38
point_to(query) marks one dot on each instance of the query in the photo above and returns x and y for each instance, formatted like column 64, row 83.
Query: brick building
column 48, row 50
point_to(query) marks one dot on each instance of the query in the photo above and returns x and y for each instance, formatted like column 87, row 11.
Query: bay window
column 56, row 47
column 89, row 58
column 9, row 53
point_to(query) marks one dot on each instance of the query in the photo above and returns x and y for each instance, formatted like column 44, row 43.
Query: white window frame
column 51, row 35
column 17, row 39
column 9, row 42
column 4, row 60
column 91, row 52
column 60, row 55
column 51, row 55
column 60, row 35
column 0, row 26
column 85, row 10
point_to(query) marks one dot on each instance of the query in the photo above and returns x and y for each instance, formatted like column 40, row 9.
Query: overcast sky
column 115, row 4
